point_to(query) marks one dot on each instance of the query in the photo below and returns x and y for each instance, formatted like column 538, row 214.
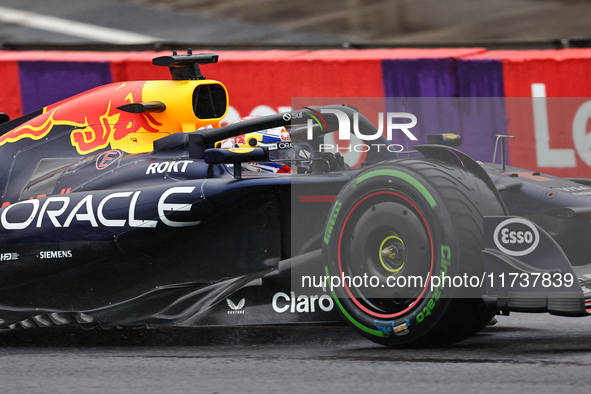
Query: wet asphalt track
column 521, row 354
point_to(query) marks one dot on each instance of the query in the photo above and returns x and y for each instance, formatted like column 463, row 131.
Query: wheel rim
column 385, row 235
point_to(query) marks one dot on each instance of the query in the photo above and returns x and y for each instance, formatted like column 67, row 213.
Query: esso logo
column 516, row 237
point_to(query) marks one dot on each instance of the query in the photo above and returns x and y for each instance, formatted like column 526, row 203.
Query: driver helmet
column 276, row 139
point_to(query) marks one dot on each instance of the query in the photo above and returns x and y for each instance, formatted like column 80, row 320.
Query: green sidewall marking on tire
column 350, row 318
column 331, row 221
column 400, row 175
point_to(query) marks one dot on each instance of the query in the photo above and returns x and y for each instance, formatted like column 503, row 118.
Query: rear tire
column 402, row 219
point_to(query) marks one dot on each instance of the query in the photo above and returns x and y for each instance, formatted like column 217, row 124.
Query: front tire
column 400, row 221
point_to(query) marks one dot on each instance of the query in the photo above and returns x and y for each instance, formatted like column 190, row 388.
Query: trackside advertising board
column 521, row 87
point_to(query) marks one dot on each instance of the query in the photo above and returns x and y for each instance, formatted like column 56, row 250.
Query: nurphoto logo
column 346, row 129
column 345, row 125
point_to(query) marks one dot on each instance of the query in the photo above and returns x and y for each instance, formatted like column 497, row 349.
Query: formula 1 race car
column 129, row 205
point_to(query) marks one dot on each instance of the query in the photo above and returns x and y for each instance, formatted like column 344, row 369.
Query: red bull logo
column 94, row 115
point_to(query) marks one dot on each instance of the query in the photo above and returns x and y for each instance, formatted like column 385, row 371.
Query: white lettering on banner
column 56, row 207
column 548, row 157
column 581, row 139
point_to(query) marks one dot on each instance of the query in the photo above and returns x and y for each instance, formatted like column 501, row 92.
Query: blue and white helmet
column 277, row 140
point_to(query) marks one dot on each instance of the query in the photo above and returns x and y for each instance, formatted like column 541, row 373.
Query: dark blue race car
column 129, row 205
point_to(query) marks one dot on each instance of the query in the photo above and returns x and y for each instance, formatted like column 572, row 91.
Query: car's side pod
column 460, row 159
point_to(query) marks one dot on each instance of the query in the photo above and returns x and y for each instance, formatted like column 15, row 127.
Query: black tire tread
column 468, row 199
